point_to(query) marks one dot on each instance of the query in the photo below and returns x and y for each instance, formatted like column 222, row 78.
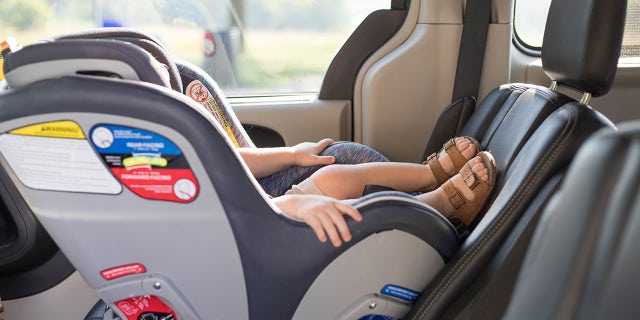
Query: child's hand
column 323, row 214
column 306, row 154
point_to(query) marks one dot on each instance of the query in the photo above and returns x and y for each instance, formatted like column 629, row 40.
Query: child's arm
column 323, row 214
column 266, row 161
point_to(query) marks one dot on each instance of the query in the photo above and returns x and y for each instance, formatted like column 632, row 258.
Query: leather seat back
column 583, row 260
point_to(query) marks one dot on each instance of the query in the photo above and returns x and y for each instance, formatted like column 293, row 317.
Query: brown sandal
column 456, row 157
column 465, row 211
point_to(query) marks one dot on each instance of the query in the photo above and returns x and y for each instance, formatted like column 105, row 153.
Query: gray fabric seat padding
column 144, row 40
column 67, row 57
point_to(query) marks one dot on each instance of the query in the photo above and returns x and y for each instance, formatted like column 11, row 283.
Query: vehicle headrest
column 137, row 37
column 83, row 57
column 582, row 42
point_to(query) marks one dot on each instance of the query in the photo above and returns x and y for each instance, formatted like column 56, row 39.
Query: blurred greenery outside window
column 250, row 47
column 531, row 15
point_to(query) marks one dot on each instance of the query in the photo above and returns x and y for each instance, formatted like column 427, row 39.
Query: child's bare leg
column 348, row 181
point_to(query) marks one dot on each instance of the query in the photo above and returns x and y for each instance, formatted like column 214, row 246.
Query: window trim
column 523, row 46
column 520, row 44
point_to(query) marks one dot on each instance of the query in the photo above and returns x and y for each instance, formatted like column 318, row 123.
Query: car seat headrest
column 582, row 42
column 83, row 57
column 137, row 37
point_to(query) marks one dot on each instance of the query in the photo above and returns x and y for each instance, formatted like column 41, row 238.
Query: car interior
column 84, row 238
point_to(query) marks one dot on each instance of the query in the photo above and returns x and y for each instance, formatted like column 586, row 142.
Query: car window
column 249, row 47
column 530, row 17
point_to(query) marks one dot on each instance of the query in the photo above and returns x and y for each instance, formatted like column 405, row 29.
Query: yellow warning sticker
column 198, row 92
column 56, row 129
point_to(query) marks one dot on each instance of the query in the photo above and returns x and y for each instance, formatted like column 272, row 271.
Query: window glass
column 530, row 17
column 247, row 46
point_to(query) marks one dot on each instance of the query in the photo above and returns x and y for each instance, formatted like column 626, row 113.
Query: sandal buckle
column 471, row 180
column 457, row 200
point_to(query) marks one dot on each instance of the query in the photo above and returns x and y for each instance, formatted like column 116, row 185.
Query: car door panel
column 307, row 119
column 403, row 92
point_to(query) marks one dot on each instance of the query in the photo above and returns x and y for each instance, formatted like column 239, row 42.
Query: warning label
column 57, row 164
column 199, row 93
column 145, row 307
column 56, row 129
column 122, row 271
column 147, row 163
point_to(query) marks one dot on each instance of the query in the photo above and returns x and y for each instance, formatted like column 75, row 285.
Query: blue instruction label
column 112, row 139
column 147, row 163
column 400, row 292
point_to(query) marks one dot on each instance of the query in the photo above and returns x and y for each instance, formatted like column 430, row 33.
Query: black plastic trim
column 30, row 262
column 523, row 47
column 36, row 280
column 263, row 137
column 376, row 29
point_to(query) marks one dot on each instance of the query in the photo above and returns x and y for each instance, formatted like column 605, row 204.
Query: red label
column 178, row 185
column 145, row 307
column 197, row 92
column 122, row 271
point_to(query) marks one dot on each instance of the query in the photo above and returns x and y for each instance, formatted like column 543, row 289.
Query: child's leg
column 344, row 152
column 348, row 181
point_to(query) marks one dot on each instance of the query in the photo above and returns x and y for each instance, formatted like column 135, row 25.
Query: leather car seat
column 533, row 133
column 583, row 259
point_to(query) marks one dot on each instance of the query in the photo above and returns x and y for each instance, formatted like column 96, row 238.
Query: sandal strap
column 471, row 179
column 434, row 164
column 455, row 155
column 456, row 198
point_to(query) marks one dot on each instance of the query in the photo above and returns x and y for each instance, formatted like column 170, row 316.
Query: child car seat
column 148, row 169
